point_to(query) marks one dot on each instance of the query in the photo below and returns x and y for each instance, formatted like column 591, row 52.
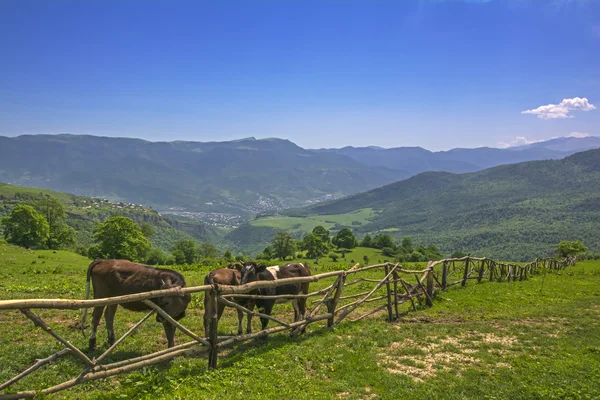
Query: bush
column 333, row 257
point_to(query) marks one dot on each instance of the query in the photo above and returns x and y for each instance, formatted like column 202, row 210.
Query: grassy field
column 307, row 224
column 536, row 339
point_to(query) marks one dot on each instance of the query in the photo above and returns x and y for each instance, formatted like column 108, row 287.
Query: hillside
column 235, row 178
column 84, row 212
column 515, row 211
column 240, row 177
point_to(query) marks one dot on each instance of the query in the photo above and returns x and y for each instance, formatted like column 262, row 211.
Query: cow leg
column 96, row 316
column 250, row 306
column 170, row 333
column 240, row 318
column 109, row 318
column 302, row 312
column 267, row 309
column 296, row 310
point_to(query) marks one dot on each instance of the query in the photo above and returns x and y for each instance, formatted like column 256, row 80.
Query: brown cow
column 253, row 272
column 232, row 275
column 122, row 277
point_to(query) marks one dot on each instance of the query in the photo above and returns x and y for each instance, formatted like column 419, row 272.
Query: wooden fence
column 397, row 286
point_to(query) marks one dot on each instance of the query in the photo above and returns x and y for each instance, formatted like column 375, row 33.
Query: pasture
column 538, row 338
column 308, row 223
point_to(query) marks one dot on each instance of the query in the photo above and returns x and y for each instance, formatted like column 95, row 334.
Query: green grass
column 491, row 340
column 307, row 224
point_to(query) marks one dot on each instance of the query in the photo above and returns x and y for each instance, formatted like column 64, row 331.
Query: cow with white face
column 253, row 272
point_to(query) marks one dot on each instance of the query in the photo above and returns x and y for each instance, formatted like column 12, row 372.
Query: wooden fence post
column 444, row 274
column 389, row 294
column 481, row 269
column 430, row 285
column 492, row 266
column 213, row 330
column 332, row 303
column 396, row 277
column 466, row 275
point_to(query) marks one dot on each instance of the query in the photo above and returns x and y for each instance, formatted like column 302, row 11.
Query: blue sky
column 326, row 73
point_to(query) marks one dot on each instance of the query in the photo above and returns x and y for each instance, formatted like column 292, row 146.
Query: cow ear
column 166, row 283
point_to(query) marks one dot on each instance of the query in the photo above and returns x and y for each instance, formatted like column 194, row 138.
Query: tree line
column 41, row 224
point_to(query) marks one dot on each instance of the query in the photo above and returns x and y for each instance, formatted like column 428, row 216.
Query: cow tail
column 87, row 294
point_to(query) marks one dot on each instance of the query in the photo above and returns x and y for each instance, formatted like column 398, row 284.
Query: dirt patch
column 442, row 354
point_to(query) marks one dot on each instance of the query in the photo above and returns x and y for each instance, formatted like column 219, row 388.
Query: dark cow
column 232, row 275
column 253, row 272
column 121, row 277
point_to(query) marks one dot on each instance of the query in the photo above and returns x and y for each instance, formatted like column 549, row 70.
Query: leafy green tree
column 147, row 229
column 388, row 252
column 345, row 238
column 322, row 233
column 266, row 254
column 366, row 259
column 185, row 251
column 60, row 235
column 26, row 227
column 283, row 245
column 156, row 257
column 228, row 256
column 384, row 240
column 207, row 250
column 314, row 245
column 119, row 237
column 570, row 249
column 367, row 241
column 407, row 244
column 333, row 257
column 458, row 254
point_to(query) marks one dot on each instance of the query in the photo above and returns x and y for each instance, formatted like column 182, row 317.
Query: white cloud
column 578, row 134
column 553, row 111
column 518, row 141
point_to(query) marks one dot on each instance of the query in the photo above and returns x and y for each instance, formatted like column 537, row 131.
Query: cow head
column 175, row 306
column 250, row 271
column 237, row 266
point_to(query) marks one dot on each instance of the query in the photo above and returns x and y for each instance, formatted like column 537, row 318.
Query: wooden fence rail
column 419, row 285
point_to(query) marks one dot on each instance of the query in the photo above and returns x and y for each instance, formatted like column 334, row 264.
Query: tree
column 407, row 244
column 283, row 245
column 367, row 241
column 314, row 246
column 156, row 257
column 388, row 252
column 26, row 227
column 228, row 256
column 345, row 238
column 147, row 229
column 366, row 259
column 185, row 251
column 570, row 249
column 384, row 240
column 119, row 237
column 207, row 250
column 333, row 257
column 60, row 235
column 322, row 233
column 458, row 254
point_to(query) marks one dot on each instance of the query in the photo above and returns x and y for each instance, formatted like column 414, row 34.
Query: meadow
column 531, row 339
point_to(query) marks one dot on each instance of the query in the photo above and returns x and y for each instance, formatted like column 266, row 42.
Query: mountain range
column 512, row 212
column 241, row 177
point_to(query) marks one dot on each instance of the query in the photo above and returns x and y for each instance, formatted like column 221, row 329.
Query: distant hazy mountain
column 564, row 144
column 409, row 161
column 244, row 176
